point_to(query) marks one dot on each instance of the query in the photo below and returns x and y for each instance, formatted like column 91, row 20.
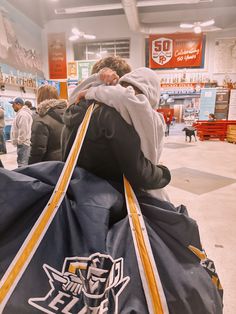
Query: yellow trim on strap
column 46, row 215
column 144, row 254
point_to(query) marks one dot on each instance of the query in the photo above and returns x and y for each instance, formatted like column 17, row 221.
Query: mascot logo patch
column 85, row 285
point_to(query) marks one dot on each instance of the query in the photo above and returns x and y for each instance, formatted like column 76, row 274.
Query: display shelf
column 17, row 85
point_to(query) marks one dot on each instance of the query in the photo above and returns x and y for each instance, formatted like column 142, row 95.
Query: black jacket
column 46, row 131
column 111, row 148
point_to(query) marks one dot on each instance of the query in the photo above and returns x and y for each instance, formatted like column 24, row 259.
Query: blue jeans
column 23, row 152
column 3, row 149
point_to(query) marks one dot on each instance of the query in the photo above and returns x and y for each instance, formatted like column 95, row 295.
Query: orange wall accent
column 63, row 90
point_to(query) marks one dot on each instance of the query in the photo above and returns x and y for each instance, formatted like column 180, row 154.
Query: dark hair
column 28, row 104
column 115, row 63
column 212, row 116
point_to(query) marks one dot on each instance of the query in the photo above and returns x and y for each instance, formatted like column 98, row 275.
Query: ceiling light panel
column 91, row 8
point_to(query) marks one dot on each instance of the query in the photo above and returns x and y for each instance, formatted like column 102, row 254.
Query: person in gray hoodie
column 136, row 98
column 21, row 131
column 47, row 126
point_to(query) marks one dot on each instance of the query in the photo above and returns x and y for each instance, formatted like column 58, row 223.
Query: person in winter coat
column 47, row 126
column 136, row 98
column 112, row 146
column 3, row 149
column 21, row 131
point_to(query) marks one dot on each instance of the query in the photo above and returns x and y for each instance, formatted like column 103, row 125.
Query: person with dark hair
column 112, row 146
column 32, row 108
column 47, row 126
column 115, row 64
column 136, row 97
column 28, row 104
column 211, row 117
column 21, row 131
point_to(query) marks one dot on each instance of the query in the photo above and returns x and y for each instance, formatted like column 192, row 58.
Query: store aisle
column 204, row 179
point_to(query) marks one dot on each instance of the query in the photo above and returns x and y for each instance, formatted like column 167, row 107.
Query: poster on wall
column 57, row 56
column 49, row 82
column 72, row 70
column 232, row 105
column 184, row 50
column 225, row 55
column 71, row 85
column 12, row 52
column 207, row 102
column 84, row 69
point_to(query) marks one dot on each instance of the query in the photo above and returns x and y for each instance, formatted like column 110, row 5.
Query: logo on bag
column 85, row 285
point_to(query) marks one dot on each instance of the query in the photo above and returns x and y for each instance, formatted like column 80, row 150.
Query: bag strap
column 151, row 282
column 34, row 238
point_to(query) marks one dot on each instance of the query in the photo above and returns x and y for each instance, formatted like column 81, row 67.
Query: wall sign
column 57, row 56
column 232, row 105
column 175, row 51
column 84, row 69
column 72, row 70
column 225, row 55
column 207, row 102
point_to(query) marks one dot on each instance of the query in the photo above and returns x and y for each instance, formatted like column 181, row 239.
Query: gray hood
column 147, row 81
column 47, row 104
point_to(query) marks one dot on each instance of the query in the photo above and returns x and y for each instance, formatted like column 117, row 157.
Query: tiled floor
column 198, row 182
column 204, row 179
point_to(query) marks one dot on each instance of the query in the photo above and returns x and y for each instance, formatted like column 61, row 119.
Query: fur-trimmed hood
column 48, row 104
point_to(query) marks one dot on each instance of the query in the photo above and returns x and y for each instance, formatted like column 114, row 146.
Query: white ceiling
column 164, row 16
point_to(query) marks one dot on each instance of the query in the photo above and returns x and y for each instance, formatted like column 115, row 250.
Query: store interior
column 191, row 46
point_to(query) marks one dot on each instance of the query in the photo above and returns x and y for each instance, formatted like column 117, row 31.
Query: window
column 101, row 49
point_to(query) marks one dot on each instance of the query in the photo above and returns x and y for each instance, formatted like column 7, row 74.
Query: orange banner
column 175, row 51
column 57, row 56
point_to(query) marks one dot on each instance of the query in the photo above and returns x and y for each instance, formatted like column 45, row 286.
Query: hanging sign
column 57, row 56
column 175, row 51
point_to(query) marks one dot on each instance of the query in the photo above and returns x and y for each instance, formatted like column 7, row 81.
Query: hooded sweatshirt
column 21, row 127
column 137, row 110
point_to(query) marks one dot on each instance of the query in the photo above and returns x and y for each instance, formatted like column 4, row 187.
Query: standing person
column 47, row 126
column 3, row 149
column 116, row 65
column 112, row 146
column 32, row 108
column 168, row 120
column 21, row 131
column 136, row 98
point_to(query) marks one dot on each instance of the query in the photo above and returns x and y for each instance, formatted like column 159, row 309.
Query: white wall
column 28, row 33
column 105, row 28
column 116, row 27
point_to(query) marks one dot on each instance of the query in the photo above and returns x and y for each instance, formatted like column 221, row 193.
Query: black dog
column 189, row 132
